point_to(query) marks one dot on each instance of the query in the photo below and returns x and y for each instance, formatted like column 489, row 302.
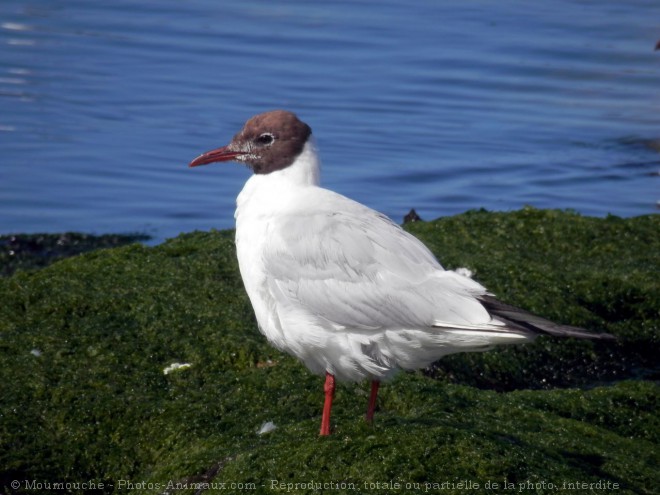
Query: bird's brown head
column 268, row 142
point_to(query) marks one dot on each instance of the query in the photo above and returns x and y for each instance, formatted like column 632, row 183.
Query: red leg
column 329, row 389
column 372, row 401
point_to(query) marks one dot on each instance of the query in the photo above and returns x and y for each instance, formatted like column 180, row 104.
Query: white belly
column 287, row 325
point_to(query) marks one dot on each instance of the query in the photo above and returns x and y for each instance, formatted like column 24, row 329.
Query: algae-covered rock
column 141, row 369
column 29, row 251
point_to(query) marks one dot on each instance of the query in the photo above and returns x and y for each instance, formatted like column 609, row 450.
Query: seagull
column 342, row 287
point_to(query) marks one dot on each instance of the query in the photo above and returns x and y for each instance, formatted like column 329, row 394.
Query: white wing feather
column 356, row 269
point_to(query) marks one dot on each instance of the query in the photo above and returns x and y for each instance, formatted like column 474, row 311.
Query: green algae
column 84, row 396
column 30, row 251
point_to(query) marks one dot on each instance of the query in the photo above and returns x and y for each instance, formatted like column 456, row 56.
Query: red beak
column 223, row 154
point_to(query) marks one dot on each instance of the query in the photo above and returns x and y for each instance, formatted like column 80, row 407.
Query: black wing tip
column 580, row 333
column 519, row 318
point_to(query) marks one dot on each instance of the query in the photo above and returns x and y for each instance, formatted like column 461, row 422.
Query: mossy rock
column 84, row 397
column 29, row 251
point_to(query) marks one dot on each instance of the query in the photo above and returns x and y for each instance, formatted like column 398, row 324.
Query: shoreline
column 85, row 343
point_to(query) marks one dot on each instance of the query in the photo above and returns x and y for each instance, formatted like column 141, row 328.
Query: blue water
column 437, row 106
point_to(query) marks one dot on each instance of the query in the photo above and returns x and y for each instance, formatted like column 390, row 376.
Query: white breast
column 263, row 200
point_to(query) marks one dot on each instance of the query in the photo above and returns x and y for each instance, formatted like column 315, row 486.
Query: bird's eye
column 265, row 139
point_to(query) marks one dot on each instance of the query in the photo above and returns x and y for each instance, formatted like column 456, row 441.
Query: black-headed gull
column 342, row 287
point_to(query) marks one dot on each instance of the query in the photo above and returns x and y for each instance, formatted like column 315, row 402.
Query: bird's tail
column 519, row 319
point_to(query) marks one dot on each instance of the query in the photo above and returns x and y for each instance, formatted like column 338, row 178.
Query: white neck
column 264, row 192
column 306, row 169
